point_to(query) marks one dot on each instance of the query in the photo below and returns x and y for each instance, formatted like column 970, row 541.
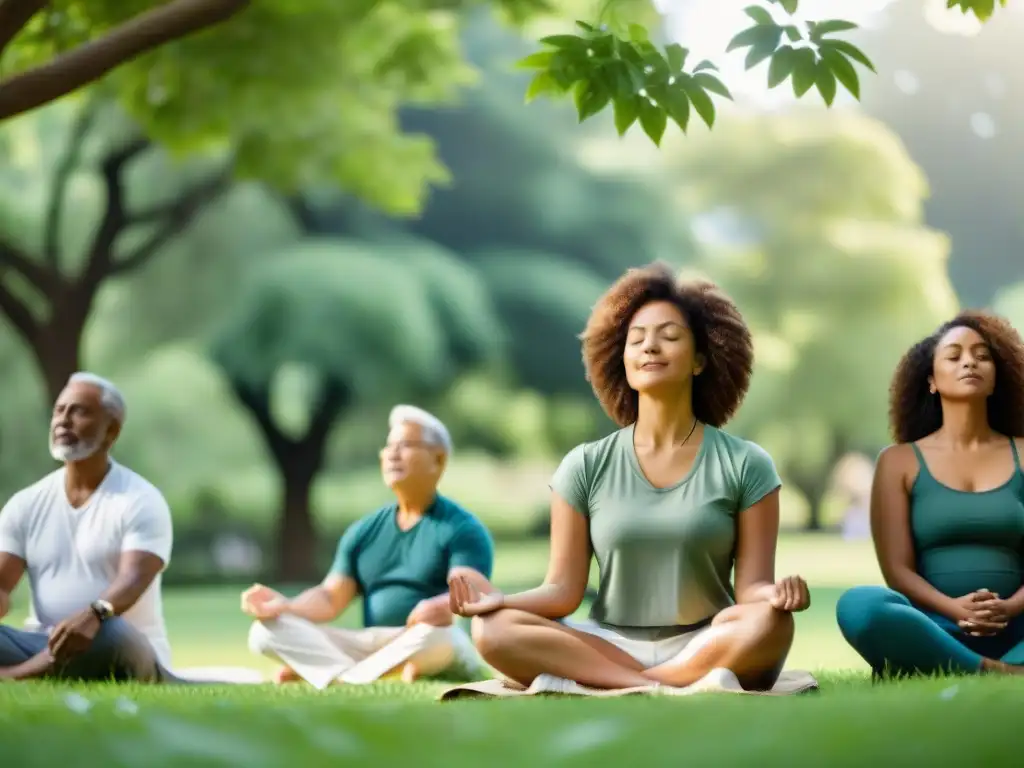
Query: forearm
column 1015, row 602
column 550, row 601
column 916, row 589
column 126, row 590
column 313, row 605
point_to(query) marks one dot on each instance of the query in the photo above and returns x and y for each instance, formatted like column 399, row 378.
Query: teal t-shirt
column 665, row 556
column 395, row 569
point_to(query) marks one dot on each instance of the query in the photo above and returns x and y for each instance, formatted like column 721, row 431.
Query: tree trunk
column 298, row 461
column 55, row 335
column 57, row 346
column 296, row 528
column 814, row 485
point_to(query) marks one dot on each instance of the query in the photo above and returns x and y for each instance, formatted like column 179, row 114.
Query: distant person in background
column 94, row 538
column 668, row 504
column 947, row 510
column 399, row 560
column 851, row 480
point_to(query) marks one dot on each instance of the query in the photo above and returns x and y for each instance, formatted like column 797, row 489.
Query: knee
column 859, row 609
column 129, row 653
column 494, row 631
column 260, row 638
column 771, row 625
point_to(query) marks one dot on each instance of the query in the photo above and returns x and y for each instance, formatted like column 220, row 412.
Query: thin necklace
column 691, row 432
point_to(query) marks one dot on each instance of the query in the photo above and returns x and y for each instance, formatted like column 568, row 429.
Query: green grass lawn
column 850, row 722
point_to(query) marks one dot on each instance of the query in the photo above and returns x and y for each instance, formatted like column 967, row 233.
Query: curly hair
column 719, row 334
column 914, row 412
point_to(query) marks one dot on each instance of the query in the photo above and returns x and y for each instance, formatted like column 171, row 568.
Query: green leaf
column 752, row 36
column 781, row 66
column 711, row 84
column 793, row 33
column 678, row 106
column 653, row 120
column 586, row 27
column 541, row 85
column 566, row 42
column 676, row 56
column 626, row 109
column 636, row 76
column 842, row 69
column 983, row 9
column 591, row 96
column 702, row 103
column 759, row 53
column 638, row 33
column 826, row 82
column 759, row 14
column 805, row 68
column 850, row 50
column 819, row 29
column 705, row 65
column 790, row 6
column 538, row 60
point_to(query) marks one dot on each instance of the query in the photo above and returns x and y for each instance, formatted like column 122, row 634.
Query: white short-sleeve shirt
column 72, row 555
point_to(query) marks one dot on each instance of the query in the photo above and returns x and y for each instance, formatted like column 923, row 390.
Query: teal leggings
column 896, row 638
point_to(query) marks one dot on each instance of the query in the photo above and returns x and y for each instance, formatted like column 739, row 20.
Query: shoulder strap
column 923, row 471
column 1016, row 453
column 920, row 456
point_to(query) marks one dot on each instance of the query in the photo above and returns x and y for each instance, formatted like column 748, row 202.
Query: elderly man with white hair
column 399, row 560
column 94, row 538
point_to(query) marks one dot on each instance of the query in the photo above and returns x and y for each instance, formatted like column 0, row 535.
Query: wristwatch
column 103, row 609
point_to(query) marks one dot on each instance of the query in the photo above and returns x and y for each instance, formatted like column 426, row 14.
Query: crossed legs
column 751, row 640
column 119, row 652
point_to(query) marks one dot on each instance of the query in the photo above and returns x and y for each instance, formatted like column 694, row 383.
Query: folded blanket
column 716, row 681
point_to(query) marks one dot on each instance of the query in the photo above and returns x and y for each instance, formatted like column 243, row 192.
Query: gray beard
column 77, row 452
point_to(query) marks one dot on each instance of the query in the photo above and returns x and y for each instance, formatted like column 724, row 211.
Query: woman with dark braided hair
column 947, row 510
column 668, row 505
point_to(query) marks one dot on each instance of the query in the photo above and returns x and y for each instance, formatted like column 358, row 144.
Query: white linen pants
column 322, row 654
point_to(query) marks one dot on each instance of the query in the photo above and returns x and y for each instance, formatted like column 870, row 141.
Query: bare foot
column 286, row 675
column 994, row 667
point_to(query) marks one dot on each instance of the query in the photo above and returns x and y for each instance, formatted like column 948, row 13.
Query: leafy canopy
column 612, row 60
column 303, row 91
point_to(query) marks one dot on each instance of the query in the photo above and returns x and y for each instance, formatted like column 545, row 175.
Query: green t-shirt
column 395, row 569
column 665, row 555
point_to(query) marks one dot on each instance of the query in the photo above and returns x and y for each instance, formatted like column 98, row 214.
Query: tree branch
column 174, row 217
column 18, row 313
column 43, row 279
column 257, row 401
column 333, row 398
column 14, row 16
column 114, row 217
column 55, row 213
column 90, row 61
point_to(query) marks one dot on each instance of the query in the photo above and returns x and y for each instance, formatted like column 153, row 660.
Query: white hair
column 434, row 431
column 110, row 396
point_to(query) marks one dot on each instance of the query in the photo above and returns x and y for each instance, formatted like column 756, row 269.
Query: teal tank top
column 966, row 540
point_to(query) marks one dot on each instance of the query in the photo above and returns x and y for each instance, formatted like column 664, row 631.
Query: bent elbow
column 565, row 601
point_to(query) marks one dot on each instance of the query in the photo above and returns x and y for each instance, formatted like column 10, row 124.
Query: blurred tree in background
column 384, row 237
column 351, row 323
column 837, row 278
column 952, row 95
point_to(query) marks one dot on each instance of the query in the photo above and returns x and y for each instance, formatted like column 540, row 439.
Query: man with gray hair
column 399, row 560
column 94, row 538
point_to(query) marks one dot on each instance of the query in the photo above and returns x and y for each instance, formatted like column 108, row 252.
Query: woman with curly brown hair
column 947, row 510
column 668, row 504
